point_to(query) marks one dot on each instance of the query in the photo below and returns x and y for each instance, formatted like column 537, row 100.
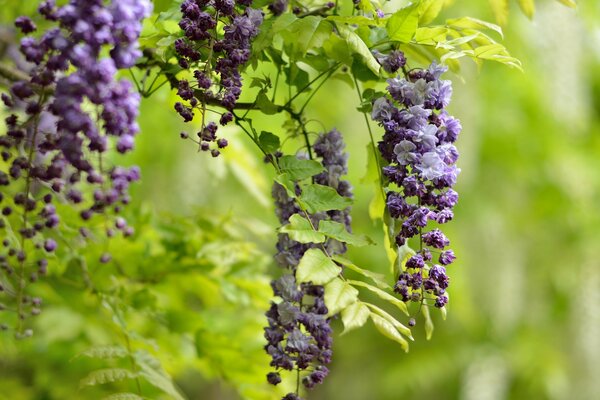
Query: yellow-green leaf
column 384, row 314
column 388, row 330
column 500, row 10
column 339, row 295
column 382, row 295
column 528, row 7
column 316, row 267
column 473, row 23
column 300, row 230
column 569, row 3
column 428, row 322
column 428, row 10
column 378, row 279
column 354, row 316
column 401, row 26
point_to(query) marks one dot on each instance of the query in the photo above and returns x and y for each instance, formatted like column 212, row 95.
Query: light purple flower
column 431, row 166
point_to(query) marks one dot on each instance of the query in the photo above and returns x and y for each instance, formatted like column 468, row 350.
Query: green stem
column 373, row 146
column 22, row 280
column 307, row 86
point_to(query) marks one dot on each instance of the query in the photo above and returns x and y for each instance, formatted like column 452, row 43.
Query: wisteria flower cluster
column 299, row 334
column 418, row 145
column 65, row 117
column 214, row 59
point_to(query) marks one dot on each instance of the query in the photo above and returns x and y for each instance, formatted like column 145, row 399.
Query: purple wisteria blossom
column 214, row 59
column 299, row 334
column 418, row 148
column 68, row 113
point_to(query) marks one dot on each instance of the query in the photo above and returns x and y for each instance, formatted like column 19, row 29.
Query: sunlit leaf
column 429, row 10
column 316, row 267
column 382, row 295
column 428, row 322
column 528, row 7
column 300, row 230
column 569, row 3
column 401, row 26
column 378, row 279
column 473, row 23
column 338, row 295
column 388, row 317
column 354, row 316
column 500, row 10
column 388, row 330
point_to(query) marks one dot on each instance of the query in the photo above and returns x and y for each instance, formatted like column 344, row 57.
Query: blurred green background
column 523, row 321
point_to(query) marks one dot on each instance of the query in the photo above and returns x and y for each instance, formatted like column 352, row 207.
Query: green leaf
column 569, row 3
column 288, row 184
column 109, row 375
column 337, row 231
column 400, row 327
column 339, row 295
column 431, row 35
column 123, row 396
column 354, row 316
column 105, row 352
column 154, row 374
column 383, row 295
column 500, row 10
column 269, row 142
column 323, row 198
column 265, row 104
column 298, row 169
column 354, row 20
column 269, row 28
column 528, row 7
column 378, row 279
column 429, row 10
column 357, row 46
column 401, row 26
column 388, row 330
column 300, row 230
column 428, row 322
column 307, row 33
column 316, row 267
column 473, row 23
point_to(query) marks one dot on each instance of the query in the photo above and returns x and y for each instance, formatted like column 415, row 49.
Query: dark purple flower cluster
column 299, row 334
column 418, row 146
column 214, row 59
column 391, row 62
column 67, row 115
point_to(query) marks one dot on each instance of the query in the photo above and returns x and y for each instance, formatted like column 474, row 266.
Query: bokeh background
column 523, row 322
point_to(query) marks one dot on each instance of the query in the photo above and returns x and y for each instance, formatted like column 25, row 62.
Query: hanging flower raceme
column 299, row 334
column 418, row 146
column 64, row 118
column 214, row 59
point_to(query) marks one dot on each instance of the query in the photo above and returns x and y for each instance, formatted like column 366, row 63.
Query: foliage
column 181, row 303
